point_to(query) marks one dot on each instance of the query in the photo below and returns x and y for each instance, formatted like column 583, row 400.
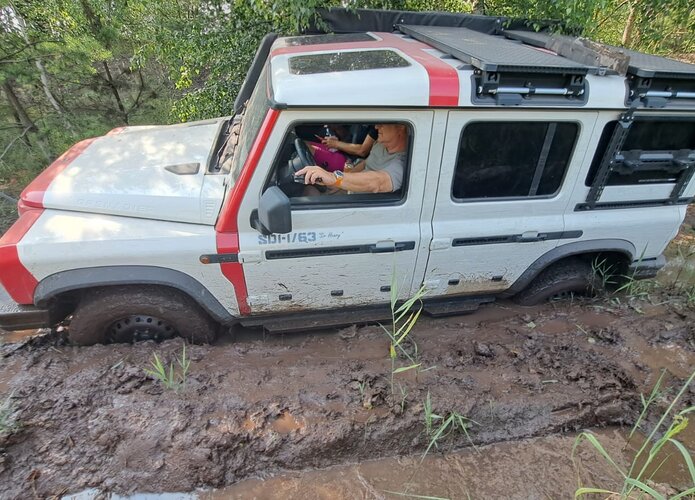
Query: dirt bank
column 91, row 417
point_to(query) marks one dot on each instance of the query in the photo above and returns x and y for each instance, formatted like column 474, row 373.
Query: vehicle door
column 342, row 250
column 505, row 182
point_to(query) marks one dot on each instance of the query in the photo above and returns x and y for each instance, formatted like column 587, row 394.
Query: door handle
column 530, row 236
column 390, row 246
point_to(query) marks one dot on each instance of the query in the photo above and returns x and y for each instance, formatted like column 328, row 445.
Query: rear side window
column 650, row 142
column 512, row 159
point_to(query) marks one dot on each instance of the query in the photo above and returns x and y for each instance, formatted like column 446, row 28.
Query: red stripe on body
column 33, row 194
column 444, row 80
column 227, row 227
column 16, row 278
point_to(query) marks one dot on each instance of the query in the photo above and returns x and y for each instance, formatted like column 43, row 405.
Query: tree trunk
column 116, row 94
column 18, row 109
column 43, row 75
column 23, row 118
column 629, row 26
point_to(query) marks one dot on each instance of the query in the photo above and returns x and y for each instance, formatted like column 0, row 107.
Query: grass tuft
column 175, row 375
column 403, row 319
column 448, row 423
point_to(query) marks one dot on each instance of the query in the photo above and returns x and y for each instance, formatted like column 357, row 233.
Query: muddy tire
column 565, row 278
column 128, row 314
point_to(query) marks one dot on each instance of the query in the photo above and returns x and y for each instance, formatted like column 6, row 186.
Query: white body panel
column 493, row 267
column 388, row 87
column 124, row 174
column 361, row 276
column 61, row 241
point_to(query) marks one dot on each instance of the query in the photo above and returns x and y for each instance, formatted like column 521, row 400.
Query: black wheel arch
column 62, row 291
column 611, row 248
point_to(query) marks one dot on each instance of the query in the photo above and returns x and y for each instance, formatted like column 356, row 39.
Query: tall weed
column 635, row 481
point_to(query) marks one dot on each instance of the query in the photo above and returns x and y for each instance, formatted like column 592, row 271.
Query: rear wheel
column 129, row 314
column 563, row 279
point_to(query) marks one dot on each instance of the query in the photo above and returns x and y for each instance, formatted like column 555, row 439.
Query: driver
column 381, row 172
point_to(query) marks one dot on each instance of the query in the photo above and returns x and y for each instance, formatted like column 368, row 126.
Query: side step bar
column 300, row 322
column 16, row 317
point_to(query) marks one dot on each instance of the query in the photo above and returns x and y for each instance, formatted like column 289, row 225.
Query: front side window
column 254, row 114
column 365, row 153
column 512, row 159
column 650, row 148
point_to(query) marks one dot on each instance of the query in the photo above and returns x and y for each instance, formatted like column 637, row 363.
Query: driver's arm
column 358, row 182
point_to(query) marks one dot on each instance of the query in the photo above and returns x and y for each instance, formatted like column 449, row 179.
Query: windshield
column 256, row 109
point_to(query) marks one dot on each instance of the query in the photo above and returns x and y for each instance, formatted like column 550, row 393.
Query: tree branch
column 9, row 146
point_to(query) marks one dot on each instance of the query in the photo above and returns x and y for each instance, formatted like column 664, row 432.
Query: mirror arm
column 256, row 223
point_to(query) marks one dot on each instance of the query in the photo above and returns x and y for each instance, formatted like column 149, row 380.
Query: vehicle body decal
column 227, row 226
column 16, row 278
column 34, row 193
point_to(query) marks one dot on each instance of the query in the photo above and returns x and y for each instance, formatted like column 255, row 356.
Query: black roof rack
column 508, row 72
column 493, row 53
column 515, row 65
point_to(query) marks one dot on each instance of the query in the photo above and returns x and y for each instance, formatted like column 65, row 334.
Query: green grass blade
column 405, row 368
column 412, row 495
column 410, row 324
column 394, row 289
column 437, row 435
column 589, row 491
column 686, row 456
column 598, row 446
column 640, row 485
column 687, row 410
column 688, row 492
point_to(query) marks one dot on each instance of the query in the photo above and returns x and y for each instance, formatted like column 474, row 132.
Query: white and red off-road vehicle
column 530, row 156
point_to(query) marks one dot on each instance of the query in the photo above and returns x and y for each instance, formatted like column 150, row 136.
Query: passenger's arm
column 361, row 150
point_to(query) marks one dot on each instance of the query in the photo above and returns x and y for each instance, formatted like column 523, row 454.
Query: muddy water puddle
column 316, row 415
column 529, row 469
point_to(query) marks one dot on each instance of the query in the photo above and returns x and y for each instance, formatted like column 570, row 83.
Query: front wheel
column 562, row 279
column 129, row 314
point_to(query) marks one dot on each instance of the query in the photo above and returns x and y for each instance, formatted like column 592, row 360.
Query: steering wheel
column 286, row 180
column 306, row 157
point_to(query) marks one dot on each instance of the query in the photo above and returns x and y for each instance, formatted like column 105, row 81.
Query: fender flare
column 91, row 277
column 560, row 252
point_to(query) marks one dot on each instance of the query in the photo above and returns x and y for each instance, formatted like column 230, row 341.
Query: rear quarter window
column 655, row 137
column 512, row 159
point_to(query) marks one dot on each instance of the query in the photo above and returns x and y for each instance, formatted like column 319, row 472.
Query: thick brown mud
column 254, row 406
column 526, row 380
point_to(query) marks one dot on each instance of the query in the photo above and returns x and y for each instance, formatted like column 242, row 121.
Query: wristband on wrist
column 338, row 178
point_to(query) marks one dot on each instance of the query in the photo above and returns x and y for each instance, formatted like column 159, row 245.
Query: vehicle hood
column 154, row 172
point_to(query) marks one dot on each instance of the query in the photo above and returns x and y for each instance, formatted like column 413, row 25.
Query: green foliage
column 634, row 477
column 174, row 376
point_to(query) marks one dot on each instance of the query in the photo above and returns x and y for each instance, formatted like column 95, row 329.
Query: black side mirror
column 274, row 214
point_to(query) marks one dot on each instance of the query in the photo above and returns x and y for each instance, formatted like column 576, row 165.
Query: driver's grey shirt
column 392, row 163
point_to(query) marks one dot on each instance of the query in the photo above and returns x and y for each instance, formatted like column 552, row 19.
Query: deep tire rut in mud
column 254, row 406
